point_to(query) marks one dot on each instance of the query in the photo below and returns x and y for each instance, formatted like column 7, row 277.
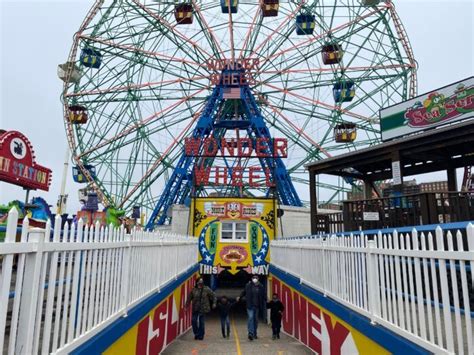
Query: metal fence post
column 29, row 295
column 372, row 282
column 126, row 273
column 325, row 266
column 177, row 256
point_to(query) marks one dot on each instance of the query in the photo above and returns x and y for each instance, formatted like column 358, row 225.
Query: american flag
column 231, row 93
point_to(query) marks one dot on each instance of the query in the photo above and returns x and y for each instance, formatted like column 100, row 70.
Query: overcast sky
column 35, row 36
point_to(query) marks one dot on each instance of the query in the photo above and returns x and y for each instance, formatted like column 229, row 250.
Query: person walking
column 201, row 298
column 223, row 306
column 276, row 313
column 255, row 297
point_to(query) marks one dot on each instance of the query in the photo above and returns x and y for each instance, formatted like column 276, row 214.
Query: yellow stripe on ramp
column 236, row 336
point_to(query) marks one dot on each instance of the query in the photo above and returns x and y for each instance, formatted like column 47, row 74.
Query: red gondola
column 332, row 53
column 183, row 13
column 345, row 132
column 77, row 114
column 269, row 7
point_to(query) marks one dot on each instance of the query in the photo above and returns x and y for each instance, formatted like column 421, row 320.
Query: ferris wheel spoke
column 296, row 128
column 288, row 132
column 299, row 58
column 319, row 103
column 370, row 96
column 287, row 63
column 166, row 24
column 126, row 88
column 173, row 144
column 152, row 54
column 122, row 142
column 121, row 145
column 276, row 30
column 269, row 58
column 145, row 186
column 231, row 34
column 209, row 33
column 107, row 125
column 133, row 127
column 275, row 45
column 332, row 71
column 249, row 32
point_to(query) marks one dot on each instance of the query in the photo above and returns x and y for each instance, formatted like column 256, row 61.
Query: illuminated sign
column 442, row 106
column 17, row 163
column 250, row 252
column 237, row 72
column 253, row 176
column 233, row 147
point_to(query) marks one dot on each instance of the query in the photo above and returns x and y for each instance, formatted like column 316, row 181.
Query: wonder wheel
column 141, row 73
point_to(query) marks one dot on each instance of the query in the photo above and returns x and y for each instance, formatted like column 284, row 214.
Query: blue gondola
column 305, row 24
column 79, row 177
column 91, row 58
column 232, row 4
column 343, row 91
column 136, row 212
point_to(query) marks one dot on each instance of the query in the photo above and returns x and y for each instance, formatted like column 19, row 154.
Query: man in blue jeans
column 254, row 296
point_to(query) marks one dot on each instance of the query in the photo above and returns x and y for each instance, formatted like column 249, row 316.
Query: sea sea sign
column 17, row 163
column 442, row 106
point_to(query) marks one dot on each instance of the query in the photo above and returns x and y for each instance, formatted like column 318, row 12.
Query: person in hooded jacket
column 276, row 313
column 254, row 294
column 223, row 306
column 201, row 298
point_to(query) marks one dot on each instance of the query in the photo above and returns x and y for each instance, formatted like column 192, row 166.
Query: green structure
column 140, row 72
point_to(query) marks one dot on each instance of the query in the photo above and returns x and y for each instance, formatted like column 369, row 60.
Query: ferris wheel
column 141, row 73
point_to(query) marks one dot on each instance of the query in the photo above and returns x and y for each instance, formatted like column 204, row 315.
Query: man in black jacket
column 255, row 298
column 202, row 299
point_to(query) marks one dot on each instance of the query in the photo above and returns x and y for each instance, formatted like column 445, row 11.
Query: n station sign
column 18, row 165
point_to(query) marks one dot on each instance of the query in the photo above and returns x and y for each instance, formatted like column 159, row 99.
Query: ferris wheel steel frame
column 185, row 70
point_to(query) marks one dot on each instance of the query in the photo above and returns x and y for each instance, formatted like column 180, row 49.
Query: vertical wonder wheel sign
column 234, row 233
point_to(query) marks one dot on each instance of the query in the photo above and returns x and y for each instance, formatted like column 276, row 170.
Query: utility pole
column 62, row 195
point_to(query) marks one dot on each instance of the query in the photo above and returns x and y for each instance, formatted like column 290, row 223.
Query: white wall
column 180, row 224
column 294, row 222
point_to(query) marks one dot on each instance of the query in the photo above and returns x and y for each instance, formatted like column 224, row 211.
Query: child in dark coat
column 276, row 313
column 223, row 306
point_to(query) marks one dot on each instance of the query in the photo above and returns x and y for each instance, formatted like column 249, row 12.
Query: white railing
column 58, row 288
column 419, row 285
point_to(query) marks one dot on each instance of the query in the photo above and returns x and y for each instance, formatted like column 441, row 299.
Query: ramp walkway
column 238, row 343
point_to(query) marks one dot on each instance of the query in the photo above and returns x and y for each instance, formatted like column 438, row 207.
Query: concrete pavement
column 237, row 344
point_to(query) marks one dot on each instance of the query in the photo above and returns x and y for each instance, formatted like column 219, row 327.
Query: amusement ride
column 143, row 77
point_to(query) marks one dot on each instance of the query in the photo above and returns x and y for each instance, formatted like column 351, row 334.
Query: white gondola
column 63, row 70
column 370, row 2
